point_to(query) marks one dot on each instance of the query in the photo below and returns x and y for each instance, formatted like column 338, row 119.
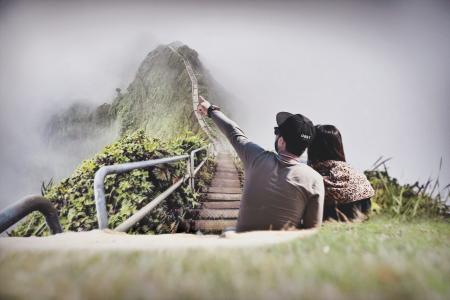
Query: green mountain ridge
column 158, row 100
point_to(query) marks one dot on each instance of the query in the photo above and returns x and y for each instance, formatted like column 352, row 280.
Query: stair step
column 227, row 175
column 224, row 190
column 213, row 226
column 229, row 162
column 226, row 166
column 225, row 159
column 221, row 204
column 225, row 156
column 225, row 172
column 225, row 162
column 218, row 213
column 229, row 171
column 225, row 183
column 227, row 179
column 223, row 197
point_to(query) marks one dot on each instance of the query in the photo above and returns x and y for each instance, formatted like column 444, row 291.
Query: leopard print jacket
column 343, row 184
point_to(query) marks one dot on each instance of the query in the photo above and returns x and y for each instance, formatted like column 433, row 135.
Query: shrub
column 427, row 199
column 125, row 193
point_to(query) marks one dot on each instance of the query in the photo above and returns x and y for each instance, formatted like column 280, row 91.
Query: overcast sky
column 379, row 71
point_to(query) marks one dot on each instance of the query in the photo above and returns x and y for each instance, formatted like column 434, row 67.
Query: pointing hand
column 203, row 106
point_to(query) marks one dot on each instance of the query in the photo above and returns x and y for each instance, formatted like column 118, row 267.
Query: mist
column 378, row 70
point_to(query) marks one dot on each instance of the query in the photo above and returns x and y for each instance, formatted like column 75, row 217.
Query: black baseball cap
column 296, row 129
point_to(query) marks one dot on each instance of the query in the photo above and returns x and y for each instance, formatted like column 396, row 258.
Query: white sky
column 380, row 73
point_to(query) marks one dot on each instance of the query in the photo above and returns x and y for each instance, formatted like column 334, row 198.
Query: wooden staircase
column 221, row 207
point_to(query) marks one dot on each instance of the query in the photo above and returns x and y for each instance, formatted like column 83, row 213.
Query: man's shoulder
column 307, row 179
column 264, row 155
column 304, row 172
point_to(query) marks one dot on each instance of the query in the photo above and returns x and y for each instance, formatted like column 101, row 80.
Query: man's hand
column 203, row 106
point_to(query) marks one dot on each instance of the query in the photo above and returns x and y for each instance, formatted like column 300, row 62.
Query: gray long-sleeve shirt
column 277, row 194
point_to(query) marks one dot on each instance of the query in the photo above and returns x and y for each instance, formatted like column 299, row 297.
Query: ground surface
column 109, row 240
column 377, row 259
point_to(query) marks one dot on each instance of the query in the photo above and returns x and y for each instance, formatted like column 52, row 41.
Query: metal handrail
column 99, row 188
column 192, row 165
column 20, row 209
column 194, row 88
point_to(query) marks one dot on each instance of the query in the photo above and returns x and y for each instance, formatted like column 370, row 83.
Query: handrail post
column 188, row 170
column 99, row 195
column 191, row 170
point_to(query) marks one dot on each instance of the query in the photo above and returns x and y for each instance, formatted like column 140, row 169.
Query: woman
column 347, row 192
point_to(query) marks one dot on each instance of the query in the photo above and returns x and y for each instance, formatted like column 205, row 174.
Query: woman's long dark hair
column 327, row 145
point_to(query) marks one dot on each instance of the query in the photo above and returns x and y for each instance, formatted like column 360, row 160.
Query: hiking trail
column 221, row 207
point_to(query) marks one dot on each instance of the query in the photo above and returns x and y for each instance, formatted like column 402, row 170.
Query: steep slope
column 158, row 100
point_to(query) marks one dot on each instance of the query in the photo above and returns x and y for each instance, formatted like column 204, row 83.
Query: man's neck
column 289, row 157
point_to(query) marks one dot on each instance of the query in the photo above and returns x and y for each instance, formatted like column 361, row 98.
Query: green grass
column 381, row 258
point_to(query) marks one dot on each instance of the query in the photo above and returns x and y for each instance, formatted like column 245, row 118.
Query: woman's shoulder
column 344, row 182
column 332, row 168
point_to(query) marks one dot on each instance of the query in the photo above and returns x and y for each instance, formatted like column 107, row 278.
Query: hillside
column 158, row 100
column 153, row 119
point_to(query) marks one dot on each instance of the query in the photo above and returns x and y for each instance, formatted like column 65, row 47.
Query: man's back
column 278, row 194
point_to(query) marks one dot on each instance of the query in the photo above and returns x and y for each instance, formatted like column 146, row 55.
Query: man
column 279, row 191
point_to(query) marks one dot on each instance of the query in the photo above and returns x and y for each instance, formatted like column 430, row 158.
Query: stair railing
column 99, row 188
column 20, row 209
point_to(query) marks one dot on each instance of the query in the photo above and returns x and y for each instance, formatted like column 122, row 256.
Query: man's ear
column 281, row 143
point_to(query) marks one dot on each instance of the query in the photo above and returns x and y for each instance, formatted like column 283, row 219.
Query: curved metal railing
column 17, row 211
column 99, row 188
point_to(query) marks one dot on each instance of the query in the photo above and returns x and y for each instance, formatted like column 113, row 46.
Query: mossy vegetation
column 126, row 193
column 406, row 200
column 158, row 100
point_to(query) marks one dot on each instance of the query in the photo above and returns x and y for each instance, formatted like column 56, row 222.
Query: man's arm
column 246, row 150
column 314, row 208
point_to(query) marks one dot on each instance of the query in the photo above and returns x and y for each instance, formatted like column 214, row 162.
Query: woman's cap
column 295, row 128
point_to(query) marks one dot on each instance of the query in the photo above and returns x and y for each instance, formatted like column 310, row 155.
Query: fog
column 379, row 71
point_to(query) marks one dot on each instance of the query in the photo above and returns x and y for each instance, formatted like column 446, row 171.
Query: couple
column 280, row 192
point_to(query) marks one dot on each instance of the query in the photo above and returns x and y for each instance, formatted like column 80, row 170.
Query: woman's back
column 347, row 191
column 343, row 184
